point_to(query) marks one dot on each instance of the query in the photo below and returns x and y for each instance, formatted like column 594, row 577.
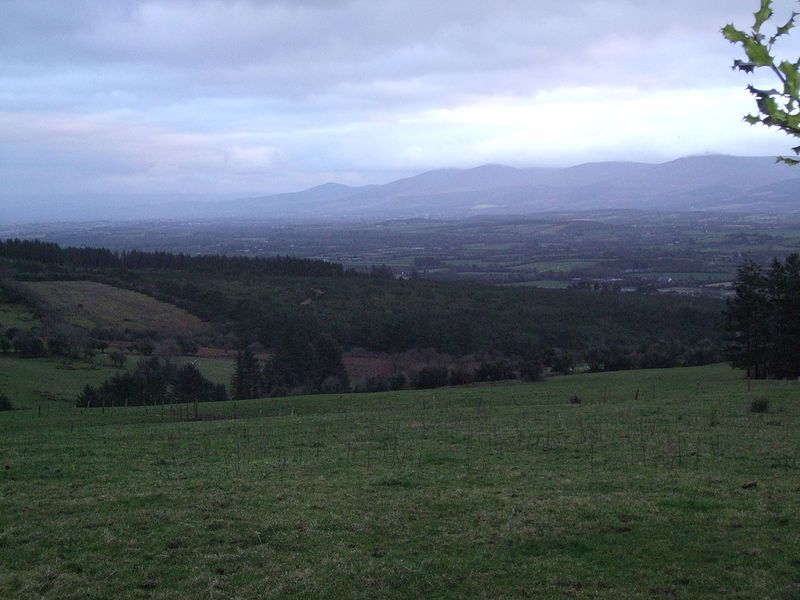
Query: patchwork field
column 90, row 304
column 642, row 484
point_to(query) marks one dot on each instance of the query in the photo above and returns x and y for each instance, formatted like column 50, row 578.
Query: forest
column 300, row 318
column 53, row 255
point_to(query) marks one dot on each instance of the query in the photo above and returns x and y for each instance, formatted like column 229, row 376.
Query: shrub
column 5, row 403
column 575, row 399
column 431, row 377
column 460, row 377
column 28, row 346
column 759, row 405
column 494, row 371
column 118, row 359
column 397, row 381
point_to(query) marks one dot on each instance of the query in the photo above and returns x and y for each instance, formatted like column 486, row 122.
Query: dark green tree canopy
column 763, row 320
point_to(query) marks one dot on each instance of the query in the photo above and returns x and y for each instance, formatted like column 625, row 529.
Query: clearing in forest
column 91, row 305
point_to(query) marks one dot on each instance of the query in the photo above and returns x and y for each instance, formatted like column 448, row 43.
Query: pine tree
column 246, row 382
column 763, row 320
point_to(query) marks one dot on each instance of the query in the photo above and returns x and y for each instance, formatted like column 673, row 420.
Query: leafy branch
column 778, row 108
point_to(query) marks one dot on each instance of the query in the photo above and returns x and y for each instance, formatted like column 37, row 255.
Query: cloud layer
column 244, row 97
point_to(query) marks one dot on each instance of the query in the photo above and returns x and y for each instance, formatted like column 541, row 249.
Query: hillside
column 311, row 328
column 657, row 484
column 92, row 305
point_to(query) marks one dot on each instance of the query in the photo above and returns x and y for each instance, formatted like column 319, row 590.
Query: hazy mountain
column 307, row 202
column 707, row 183
column 693, row 183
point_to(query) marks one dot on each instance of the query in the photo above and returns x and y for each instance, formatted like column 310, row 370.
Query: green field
column 658, row 484
column 545, row 284
column 32, row 382
column 218, row 370
column 40, row 381
column 17, row 316
column 89, row 304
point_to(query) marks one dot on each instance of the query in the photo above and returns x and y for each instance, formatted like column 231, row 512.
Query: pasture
column 53, row 383
column 91, row 305
column 17, row 316
column 641, row 484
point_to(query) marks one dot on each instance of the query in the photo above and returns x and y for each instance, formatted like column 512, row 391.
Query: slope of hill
column 95, row 305
column 658, row 484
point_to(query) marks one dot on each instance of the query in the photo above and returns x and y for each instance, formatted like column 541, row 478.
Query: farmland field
column 640, row 484
column 32, row 382
column 17, row 316
column 636, row 247
column 90, row 304
column 42, row 381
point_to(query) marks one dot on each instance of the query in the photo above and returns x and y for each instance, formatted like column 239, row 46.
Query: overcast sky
column 250, row 97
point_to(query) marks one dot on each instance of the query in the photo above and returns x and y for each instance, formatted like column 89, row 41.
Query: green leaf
column 763, row 14
column 784, row 29
column 792, row 75
column 733, row 35
column 792, row 123
column 757, row 53
column 768, row 106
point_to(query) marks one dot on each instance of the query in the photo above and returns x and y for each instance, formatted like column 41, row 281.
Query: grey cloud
column 210, row 88
column 296, row 49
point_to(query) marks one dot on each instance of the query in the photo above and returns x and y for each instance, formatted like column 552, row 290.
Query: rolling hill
column 700, row 183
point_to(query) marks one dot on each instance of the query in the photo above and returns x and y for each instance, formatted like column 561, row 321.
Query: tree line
column 154, row 382
column 763, row 320
column 53, row 255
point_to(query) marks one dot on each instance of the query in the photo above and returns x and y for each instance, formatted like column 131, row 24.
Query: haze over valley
column 698, row 183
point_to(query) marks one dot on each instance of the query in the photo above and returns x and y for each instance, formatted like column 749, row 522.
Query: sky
column 207, row 99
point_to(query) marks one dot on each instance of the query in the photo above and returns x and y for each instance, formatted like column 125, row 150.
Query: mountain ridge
column 696, row 183
column 693, row 183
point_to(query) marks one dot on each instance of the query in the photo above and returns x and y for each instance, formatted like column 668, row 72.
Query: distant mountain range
column 697, row 183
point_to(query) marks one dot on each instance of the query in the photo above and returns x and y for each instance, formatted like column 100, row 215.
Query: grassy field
column 546, row 284
column 33, row 382
column 17, row 316
column 41, row 381
column 89, row 304
column 658, row 484
column 218, row 370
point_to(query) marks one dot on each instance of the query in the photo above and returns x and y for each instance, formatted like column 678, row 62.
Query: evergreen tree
column 247, row 376
column 763, row 320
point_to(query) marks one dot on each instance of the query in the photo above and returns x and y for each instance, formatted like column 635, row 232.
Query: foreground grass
column 658, row 484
